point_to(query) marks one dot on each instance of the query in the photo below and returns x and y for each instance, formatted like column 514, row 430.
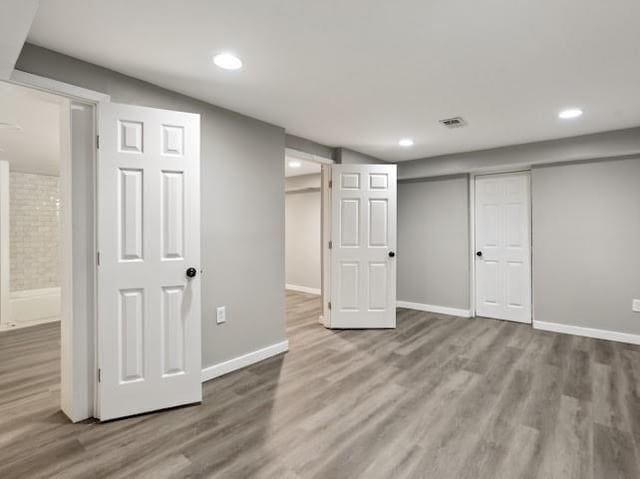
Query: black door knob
column 191, row 272
column 391, row 254
column 479, row 254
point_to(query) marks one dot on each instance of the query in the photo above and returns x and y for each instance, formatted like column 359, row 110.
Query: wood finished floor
column 439, row 397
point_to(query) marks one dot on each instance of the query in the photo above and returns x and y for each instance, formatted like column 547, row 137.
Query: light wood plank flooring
column 439, row 397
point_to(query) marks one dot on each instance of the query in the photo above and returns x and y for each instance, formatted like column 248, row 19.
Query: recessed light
column 406, row 142
column 570, row 113
column 295, row 164
column 227, row 61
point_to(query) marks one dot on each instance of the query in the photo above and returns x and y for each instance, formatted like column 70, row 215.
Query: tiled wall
column 34, row 208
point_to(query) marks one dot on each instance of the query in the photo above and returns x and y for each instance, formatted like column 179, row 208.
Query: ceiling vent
column 456, row 122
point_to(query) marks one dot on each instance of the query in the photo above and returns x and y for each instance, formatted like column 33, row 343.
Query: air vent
column 456, row 122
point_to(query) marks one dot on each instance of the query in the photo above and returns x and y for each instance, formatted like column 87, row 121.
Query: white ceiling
column 32, row 144
column 362, row 74
column 15, row 21
column 305, row 168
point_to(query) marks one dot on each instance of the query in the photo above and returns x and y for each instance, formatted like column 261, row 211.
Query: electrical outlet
column 635, row 306
column 221, row 314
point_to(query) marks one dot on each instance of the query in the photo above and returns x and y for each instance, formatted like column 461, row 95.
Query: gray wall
column 586, row 147
column 347, row 156
column 308, row 146
column 433, row 241
column 586, row 244
column 586, row 232
column 303, row 231
column 302, row 245
column 242, row 224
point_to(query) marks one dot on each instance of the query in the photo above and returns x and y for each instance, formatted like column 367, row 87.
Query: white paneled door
column 363, row 264
column 149, row 260
column 503, row 251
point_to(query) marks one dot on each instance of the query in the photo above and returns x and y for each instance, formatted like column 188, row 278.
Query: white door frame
column 325, row 256
column 325, row 226
column 472, row 232
column 78, row 317
column 5, row 287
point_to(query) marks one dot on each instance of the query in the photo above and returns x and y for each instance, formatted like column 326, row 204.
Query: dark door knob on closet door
column 392, row 254
column 191, row 272
column 479, row 254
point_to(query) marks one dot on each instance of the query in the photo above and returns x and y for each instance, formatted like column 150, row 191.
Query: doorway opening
column 47, row 231
column 34, row 132
column 340, row 243
column 303, row 224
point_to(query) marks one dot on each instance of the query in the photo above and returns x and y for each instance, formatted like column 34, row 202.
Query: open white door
column 363, row 266
column 149, row 246
column 503, row 251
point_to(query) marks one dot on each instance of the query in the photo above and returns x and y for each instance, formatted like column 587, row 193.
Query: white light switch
column 636, row 305
column 221, row 316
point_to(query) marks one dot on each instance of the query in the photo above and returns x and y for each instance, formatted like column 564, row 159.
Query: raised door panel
column 350, row 222
column 130, row 188
column 378, row 223
column 172, row 140
column 172, row 217
column 173, row 331
column 350, row 181
column 349, row 280
column 378, row 181
column 130, row 136
column 378, row 286
column 515, row 284
column 131, row 337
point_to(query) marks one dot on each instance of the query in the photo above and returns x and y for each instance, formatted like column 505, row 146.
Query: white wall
column 302, row 238
column 35, row 231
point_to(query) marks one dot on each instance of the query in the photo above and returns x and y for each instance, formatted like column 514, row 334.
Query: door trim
column 78, row 321
column 472, row 234
column 325, row 237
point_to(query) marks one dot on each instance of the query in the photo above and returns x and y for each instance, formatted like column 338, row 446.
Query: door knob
column 191, row 272
column 479, row 254
column 391, row 254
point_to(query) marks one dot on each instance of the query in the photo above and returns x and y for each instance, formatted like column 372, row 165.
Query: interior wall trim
column 430, row 308
column 587, row 332
column 243, row 361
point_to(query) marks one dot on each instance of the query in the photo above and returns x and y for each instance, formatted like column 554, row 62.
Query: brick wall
column 35, row 231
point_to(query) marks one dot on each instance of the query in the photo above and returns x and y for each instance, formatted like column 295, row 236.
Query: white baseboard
column 243, row 361
column 462, row 313
column 588, row 332
column 303, row 289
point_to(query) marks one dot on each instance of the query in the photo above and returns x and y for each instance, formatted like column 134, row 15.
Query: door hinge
column 330, row 244
column 330, row 184
column 97, row 142
column 98, row 258
column 329, row 304
column 99, row 375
